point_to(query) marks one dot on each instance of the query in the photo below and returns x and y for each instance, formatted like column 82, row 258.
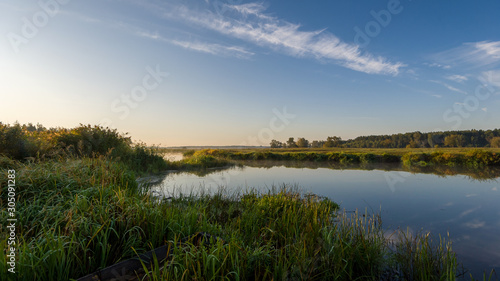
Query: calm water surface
column 468, row 209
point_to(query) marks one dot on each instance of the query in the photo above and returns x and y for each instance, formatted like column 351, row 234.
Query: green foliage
column 276, row 144
column 13, row 142
column 454, row 140
column 470, row 138
column 472, row 158
column 302, row 142
column 411, row 158
column 188, row 153
column 421, row 258
column 290, row 143
column 495, row 142
column 90, row 140
column 37, row 143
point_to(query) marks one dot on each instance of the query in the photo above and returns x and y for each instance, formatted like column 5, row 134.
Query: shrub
column 20, row 143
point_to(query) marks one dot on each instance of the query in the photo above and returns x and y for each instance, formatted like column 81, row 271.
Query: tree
column 302, row 142
column 386, row 143
column 412, row 144
column 290, row 143
column 333, row 142
column 317, row 144
column 30, row 127
column 495, row 142
column 418, row 138
column 454, row 140
column 276, row 144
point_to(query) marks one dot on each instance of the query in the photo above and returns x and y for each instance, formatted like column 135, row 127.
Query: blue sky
column 229, row 72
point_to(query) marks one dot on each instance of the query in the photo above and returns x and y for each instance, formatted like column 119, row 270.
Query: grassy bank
column 78, row 215
column 79, row 209
column 422, row 157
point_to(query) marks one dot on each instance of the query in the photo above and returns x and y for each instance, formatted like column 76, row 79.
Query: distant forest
column 470, row 138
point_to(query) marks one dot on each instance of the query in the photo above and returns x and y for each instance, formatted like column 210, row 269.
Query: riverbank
column 78, row 215
column 469, row 157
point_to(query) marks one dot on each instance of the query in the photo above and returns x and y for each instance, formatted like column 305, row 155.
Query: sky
column 236, row 72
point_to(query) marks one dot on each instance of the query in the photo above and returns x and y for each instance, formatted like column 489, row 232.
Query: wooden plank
column 130, row 269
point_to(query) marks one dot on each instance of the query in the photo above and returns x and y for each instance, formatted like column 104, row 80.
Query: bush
column 13, row 142
column 368, row 158
column 421, row 159
column 19, row 143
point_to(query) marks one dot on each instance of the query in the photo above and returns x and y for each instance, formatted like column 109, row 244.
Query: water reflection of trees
column 158, row 178
column 479, row 174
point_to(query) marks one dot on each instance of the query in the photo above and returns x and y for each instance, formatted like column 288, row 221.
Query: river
column 464, row 204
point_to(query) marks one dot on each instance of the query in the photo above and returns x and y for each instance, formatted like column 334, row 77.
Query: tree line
column 468, row 138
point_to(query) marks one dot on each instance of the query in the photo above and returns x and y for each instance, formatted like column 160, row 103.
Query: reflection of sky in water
column 468, row 209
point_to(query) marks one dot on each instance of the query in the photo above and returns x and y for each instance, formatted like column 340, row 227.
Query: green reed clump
column 390, row 158
column 26, row 143
column 486, row 277
column 447, row 158
column 476, row 158
column 419, row 257
column 368, row 158
column 78, row 215
column 412, row 158
column 201, row 162
column 7, row 163
column 290, row 155
column 481, row 158
column 282, row 234
column 355, row 247
column 188, row 153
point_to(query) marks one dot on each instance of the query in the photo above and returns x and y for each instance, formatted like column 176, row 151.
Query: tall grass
column 79, row 215
column 475, row 158
column 17, row 142
column 316, row 156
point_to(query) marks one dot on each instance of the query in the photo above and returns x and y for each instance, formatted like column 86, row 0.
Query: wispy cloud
column 255, row 9
column 457, row 78
column 438, row 65
column 449, row 87
column 474, row 224
column 79, row 16
column 492, row 49
column 475, row 54
column 491, row 78
column 214, row 49
column 249, row 22
column 195, row 45
column 204, row 47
